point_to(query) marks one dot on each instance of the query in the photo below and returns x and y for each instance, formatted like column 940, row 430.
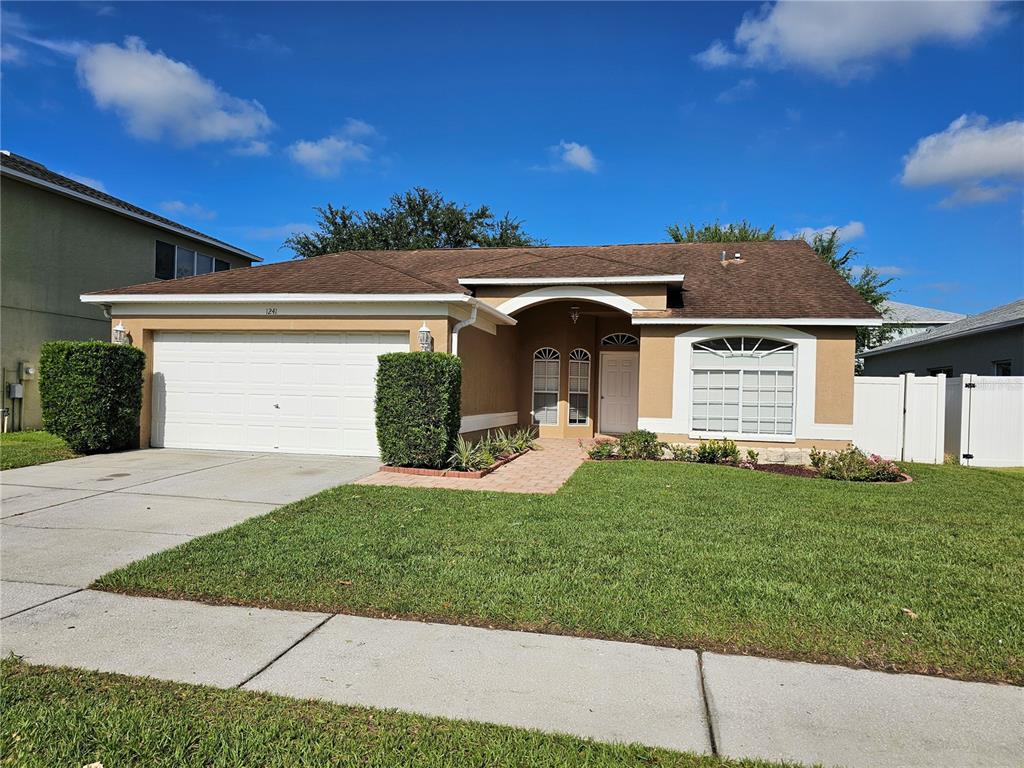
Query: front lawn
column 58, row 717
column 24, row 449
column 926, row 576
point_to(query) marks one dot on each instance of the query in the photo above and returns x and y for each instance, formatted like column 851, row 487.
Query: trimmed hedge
column 419, row 407
column 91, row 393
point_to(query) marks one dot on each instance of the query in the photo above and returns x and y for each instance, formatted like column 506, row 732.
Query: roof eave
column 58, row 189
column 857, row 322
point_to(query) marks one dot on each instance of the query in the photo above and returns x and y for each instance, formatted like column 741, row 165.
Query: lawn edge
column 701, row 646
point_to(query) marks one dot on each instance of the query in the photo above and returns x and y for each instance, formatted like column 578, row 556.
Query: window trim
column 580, row 357
column 1007, row 362
column 623, row 339
column 555, row 356
column 707, row 434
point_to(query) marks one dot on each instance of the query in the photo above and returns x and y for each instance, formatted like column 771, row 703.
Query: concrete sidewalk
column 610, row 691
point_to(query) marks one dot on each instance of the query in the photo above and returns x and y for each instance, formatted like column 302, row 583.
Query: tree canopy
column 743, row 232
column 419, row 218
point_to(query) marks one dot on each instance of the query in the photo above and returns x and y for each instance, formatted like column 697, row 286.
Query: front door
column 620, row 379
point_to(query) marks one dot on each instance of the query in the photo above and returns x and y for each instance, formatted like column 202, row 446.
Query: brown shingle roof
column 22, row 165
column 779, row 278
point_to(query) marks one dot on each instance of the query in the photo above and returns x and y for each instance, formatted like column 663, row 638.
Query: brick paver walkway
column 541, row 471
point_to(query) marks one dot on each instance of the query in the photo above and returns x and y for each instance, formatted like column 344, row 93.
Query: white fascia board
column 128, row 214
column 201, row 303
column 608, row 280
column 852, row 321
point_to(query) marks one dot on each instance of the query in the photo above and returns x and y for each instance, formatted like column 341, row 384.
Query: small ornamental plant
column 854, row 465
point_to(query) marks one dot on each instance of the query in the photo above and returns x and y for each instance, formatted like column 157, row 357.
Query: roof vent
column 737, row 256
column 723, row 256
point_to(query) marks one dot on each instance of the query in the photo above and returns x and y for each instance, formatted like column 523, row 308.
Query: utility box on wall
column 15, row 391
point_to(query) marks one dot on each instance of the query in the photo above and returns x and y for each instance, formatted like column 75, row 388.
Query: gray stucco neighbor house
column 60, row 238
column 987, row 344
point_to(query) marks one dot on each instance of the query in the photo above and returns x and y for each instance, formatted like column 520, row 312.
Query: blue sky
column 902, row 123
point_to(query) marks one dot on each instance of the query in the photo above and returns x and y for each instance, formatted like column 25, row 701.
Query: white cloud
column 716, row 55
column 968, row 150
column 843, row 40
column 187, row 210
column 849, row 231
column 277, row 232
column 11, row 54
column 570, row 156
column 252, row 149
column 327, row 156
column 977, row 194
column 158, row 96
column 87, row 180
column 738, row 92
column 885, row 270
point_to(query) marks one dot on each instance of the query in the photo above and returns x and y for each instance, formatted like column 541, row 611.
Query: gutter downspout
column 460, row 325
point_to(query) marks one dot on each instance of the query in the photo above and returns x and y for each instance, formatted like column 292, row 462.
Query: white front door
column 288, row 392
column 620, row 380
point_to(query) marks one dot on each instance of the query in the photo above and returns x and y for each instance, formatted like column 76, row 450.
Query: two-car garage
column 310, row 392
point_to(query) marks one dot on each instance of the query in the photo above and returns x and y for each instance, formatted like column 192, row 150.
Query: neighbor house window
column 1002, row 368
column 545, row 385
column 946, row 369
column 173, row 261
column 579, row 386
column 743, row 386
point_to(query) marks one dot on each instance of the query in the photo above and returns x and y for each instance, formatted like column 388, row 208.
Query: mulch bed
column 474, row 475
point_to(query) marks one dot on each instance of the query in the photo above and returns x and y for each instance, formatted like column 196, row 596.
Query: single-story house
column 688, row 340
column 62, row 237
column 914, row 319
column 987, row 344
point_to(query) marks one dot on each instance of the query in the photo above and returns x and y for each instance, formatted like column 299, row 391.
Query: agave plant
column 466, row 457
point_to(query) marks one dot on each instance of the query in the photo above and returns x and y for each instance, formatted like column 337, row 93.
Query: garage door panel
column 219, row 390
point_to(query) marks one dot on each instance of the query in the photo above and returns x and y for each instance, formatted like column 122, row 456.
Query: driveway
column 65, row 524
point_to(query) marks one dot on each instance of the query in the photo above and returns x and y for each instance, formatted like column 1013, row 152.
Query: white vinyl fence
column 977, row 419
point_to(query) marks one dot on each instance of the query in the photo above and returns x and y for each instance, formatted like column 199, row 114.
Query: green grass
column 65, row 717
column 25, row 449
column 926, row 576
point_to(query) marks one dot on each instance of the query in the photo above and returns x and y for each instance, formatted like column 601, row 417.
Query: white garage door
column 288, row 392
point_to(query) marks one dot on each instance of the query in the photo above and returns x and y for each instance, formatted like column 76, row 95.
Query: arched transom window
column 620, row 340
column 546, row 363
column 579, row 386
column 743, row 386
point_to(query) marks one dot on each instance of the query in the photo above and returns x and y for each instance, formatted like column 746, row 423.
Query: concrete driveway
column 65, row 524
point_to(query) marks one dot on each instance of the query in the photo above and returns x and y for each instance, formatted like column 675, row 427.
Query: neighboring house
column 60, row 238
column 682, row 339
column 913, row 319
column 988, row 344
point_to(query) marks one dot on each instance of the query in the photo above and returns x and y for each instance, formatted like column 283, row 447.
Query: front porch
column 570, row 368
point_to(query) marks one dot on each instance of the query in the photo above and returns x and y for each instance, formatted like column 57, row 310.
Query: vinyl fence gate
column 979, row 420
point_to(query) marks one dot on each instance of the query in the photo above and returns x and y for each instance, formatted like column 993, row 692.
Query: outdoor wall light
column 574, row 314
column 119, row 335
column 426, row 343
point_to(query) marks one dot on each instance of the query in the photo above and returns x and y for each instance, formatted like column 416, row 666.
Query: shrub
column 91, row 393
column 603, row 449
column 853, row 464
column 640, row 444
column 466, row 457
column 718, row 452
column 682, row 452
column 418, row 407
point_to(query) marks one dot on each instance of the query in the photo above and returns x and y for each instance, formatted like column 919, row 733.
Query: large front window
column 743, row 386
column 545, row 386
column 579, row 386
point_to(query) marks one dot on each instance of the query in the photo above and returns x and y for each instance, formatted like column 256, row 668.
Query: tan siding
column 489, row 370
column 833, row 393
